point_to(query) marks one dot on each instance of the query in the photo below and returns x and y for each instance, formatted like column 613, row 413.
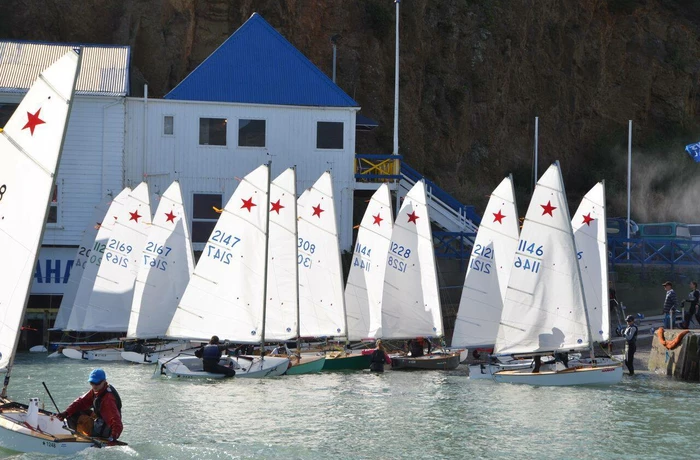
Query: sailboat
column 486, row 279
column 166, row 265
column 282, row 309
column 109, row 307
column 411, row 299
column 30, row 150
column 227, row 292
column 545, row 307
column 321, row 299
column 363, row 292
column 81, row 261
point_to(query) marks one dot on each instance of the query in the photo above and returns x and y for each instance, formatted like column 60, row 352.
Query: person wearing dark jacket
column 211, row 355
column 415, row 347
column 98, row 413
column 630, row 335
column 379, row 358
column 669, row 304
column 693, row 300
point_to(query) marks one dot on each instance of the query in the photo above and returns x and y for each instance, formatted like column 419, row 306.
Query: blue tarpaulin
column 694, row 151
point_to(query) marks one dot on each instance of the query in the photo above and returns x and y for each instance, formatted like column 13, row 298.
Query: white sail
column 544, row 308
column 94, row 260
column 166, row 264
column 110, row 302
column 411, row 300
column 282, row 285
column 81, row 260
column 225, row 294
column 590, row 232
column 30, row 149
column 321, row 300
column 363, row 292
column 489, row 270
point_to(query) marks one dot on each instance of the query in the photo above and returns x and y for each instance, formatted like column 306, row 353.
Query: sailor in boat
column 281, row 350
column 379, row 357
column 415, row 347
column 98, row 413
column 210, row 355
column 630, row 335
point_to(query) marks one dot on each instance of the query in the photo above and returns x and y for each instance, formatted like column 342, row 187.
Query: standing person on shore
column 669, row 304
column 630, row 335
column 693, row 300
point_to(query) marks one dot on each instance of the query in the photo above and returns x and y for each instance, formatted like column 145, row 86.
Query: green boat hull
column 308, row 367
column 351, row 362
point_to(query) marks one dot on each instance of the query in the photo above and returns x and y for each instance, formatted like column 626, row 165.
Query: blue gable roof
column 257, row 65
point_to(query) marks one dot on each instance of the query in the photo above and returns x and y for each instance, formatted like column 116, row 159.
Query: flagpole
column 629, row 181
column 537, row 134
column 396, row 104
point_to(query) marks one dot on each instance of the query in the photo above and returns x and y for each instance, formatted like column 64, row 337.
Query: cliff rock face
column 474, row 75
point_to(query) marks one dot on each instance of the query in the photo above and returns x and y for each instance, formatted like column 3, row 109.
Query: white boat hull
column 52, row 438
column 163, row 351
column 605, row 375
column 100, row 354
column 38, row 349
column 486, row 370
column 190, row 367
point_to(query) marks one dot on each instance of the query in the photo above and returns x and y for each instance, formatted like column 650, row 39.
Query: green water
column 358, row 415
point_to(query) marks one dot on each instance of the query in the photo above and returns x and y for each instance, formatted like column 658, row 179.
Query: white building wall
column 290, row 141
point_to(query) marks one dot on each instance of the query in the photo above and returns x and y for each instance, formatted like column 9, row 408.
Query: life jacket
column 211, row 352
column 633, row 340
column 377, row 356
column 100, row 427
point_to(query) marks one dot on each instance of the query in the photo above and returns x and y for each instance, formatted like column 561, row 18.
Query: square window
column 168, row 125
column 6, row 111
column 329, row 135
column 53, row 207
column 204, row 217
column 212, row 131
column 251, row 133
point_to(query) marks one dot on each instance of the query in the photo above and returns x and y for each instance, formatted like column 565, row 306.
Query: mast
column 6, row 382
column 267, row 238
column 296, row 265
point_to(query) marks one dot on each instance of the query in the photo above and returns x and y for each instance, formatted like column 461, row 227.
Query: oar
column 65, row 425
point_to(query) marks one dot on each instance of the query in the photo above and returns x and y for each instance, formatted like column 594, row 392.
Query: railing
column 642, row 251
column 444, row 197
column 377, row 168
column 453, row 245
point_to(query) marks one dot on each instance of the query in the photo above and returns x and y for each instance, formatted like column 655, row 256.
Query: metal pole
column 537, row 133
column 334, row 51
column 629, row 183
column 267, row 247
column 396, row 104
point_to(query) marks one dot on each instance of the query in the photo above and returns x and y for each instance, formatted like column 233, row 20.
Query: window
column 212, row 131
column 204, row 216
column 53, row 207
column 329, row 135
column 6, row 111
column 251, row 133
column 168, row 125
column 658, row 230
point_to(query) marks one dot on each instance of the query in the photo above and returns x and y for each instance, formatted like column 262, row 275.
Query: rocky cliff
column 474, row 75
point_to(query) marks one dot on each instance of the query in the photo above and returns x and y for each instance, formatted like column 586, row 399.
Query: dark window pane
column 203, row 206
column 329, row 135
column 202, row 230
column 168, row 125
column 212, row 131
column 6, row 111
column 53, row 215
column 251, row 133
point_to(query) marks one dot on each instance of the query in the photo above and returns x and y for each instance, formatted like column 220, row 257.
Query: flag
column 694, row 151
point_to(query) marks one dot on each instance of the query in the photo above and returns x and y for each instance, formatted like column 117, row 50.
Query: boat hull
column 153, row 357
column 55, row 440
column 428, row 362
column 190, row 367
column 605, row 375
column 346, row 362
column 101, row 354
column 486, row 370
column 309, row 364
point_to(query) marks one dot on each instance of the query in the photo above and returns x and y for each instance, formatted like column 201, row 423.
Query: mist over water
column 358, row 415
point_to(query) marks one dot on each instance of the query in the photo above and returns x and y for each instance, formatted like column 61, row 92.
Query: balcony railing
column 642, row 251
column 377, row 168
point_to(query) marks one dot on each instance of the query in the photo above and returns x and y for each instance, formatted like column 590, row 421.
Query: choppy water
column 358, row 415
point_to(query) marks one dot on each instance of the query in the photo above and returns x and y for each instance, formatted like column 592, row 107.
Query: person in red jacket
column 101, row 405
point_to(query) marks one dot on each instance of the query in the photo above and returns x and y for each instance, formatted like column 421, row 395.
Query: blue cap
column 97, row 376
